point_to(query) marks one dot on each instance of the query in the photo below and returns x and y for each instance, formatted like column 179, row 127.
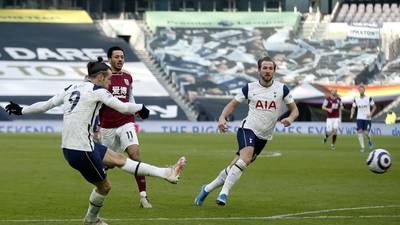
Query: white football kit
column 266, row 105
column 81, row 105
column 363, row 107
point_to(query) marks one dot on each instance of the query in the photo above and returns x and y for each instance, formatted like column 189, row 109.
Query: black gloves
column 13, row 108
column 143, row 113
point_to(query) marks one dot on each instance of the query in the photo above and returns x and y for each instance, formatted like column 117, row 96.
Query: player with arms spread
column 81, row 104
column 333, row 105
column 266, row 100
column 117, row 130
column 363, row 104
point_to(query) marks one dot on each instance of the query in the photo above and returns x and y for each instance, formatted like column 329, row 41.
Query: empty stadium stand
column 368, row 13
column 208, row 64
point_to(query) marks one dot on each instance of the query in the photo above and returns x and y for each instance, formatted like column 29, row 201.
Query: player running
column 333, row 105
column 117, row 130
column 266, row 100
column 81, row 104
column 363, row 104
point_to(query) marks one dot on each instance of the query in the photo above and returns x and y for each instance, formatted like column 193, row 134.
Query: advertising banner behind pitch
column 378, row 129
column 221, row 19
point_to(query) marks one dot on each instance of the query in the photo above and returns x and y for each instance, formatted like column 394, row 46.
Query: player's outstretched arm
column 122, row 107
column 229, row 108
column 38, row 107
column 294, row 113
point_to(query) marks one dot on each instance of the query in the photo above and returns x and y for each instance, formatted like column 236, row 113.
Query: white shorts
column 332, row 123
column 118, row 139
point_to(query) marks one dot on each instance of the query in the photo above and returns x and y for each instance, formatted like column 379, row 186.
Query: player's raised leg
column 171, row 174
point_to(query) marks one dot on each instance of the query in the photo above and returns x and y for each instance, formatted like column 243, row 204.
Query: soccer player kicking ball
column 266, row 100
column 81, row 104
column 363, row 104
column 333, row 105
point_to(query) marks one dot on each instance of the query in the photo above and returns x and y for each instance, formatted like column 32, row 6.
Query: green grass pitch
column 307, row 184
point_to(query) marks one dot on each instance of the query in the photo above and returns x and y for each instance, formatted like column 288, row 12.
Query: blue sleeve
column 285, row 91
column 245, row 91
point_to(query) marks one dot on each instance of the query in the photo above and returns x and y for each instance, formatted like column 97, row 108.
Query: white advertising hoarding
column 35, row 78
column 38, row 126
column 363, row 32
column 343, row 30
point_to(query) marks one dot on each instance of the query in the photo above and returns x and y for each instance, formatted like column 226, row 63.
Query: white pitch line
column 336, row 210
column 292, row 216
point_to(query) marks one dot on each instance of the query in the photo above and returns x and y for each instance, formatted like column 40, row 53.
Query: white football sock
column 144, row 169
column 95, row 203
column 233, row 175
column 218, row 181
column 361, row 139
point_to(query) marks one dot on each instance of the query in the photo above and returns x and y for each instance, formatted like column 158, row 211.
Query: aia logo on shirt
column 271, row 105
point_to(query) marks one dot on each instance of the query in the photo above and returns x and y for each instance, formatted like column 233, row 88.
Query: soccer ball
column 379, row 161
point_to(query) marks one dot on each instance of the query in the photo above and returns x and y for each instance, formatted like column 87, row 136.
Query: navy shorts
column 364, row 125
column 89, row 164
column 246, row 137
